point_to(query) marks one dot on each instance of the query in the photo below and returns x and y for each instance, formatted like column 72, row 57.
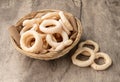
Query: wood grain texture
column 101, row 23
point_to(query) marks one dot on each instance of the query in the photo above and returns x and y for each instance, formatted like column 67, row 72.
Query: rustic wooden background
column 101, row 23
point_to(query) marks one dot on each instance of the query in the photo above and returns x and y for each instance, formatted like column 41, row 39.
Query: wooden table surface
column 101, row 22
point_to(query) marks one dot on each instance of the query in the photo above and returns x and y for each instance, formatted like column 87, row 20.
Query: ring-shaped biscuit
column 54, row 44
column 27, row 37
column 64, row 27
column 81, row 63
column 46, row 27
column 106, row 64
column 89, row 42
column 24, row 29
column 28, row 24
column 63, row 45
column 50, row 15
column 65, row 21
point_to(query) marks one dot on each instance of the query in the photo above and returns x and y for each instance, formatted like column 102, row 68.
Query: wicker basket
column 14, row 31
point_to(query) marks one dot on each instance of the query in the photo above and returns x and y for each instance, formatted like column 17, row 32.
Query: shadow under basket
column 14, row 31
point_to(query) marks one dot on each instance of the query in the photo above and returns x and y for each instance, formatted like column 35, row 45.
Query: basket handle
column 14, row 34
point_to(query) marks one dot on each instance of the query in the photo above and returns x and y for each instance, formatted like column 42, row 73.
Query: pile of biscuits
column 48, row 33
column 93, row 54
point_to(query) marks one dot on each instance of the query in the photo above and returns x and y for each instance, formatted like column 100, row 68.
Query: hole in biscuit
column 99, row 61
column 89, row 46
column 58, row 37
column 50, row 26
column 82, row 57
column 30, row 41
